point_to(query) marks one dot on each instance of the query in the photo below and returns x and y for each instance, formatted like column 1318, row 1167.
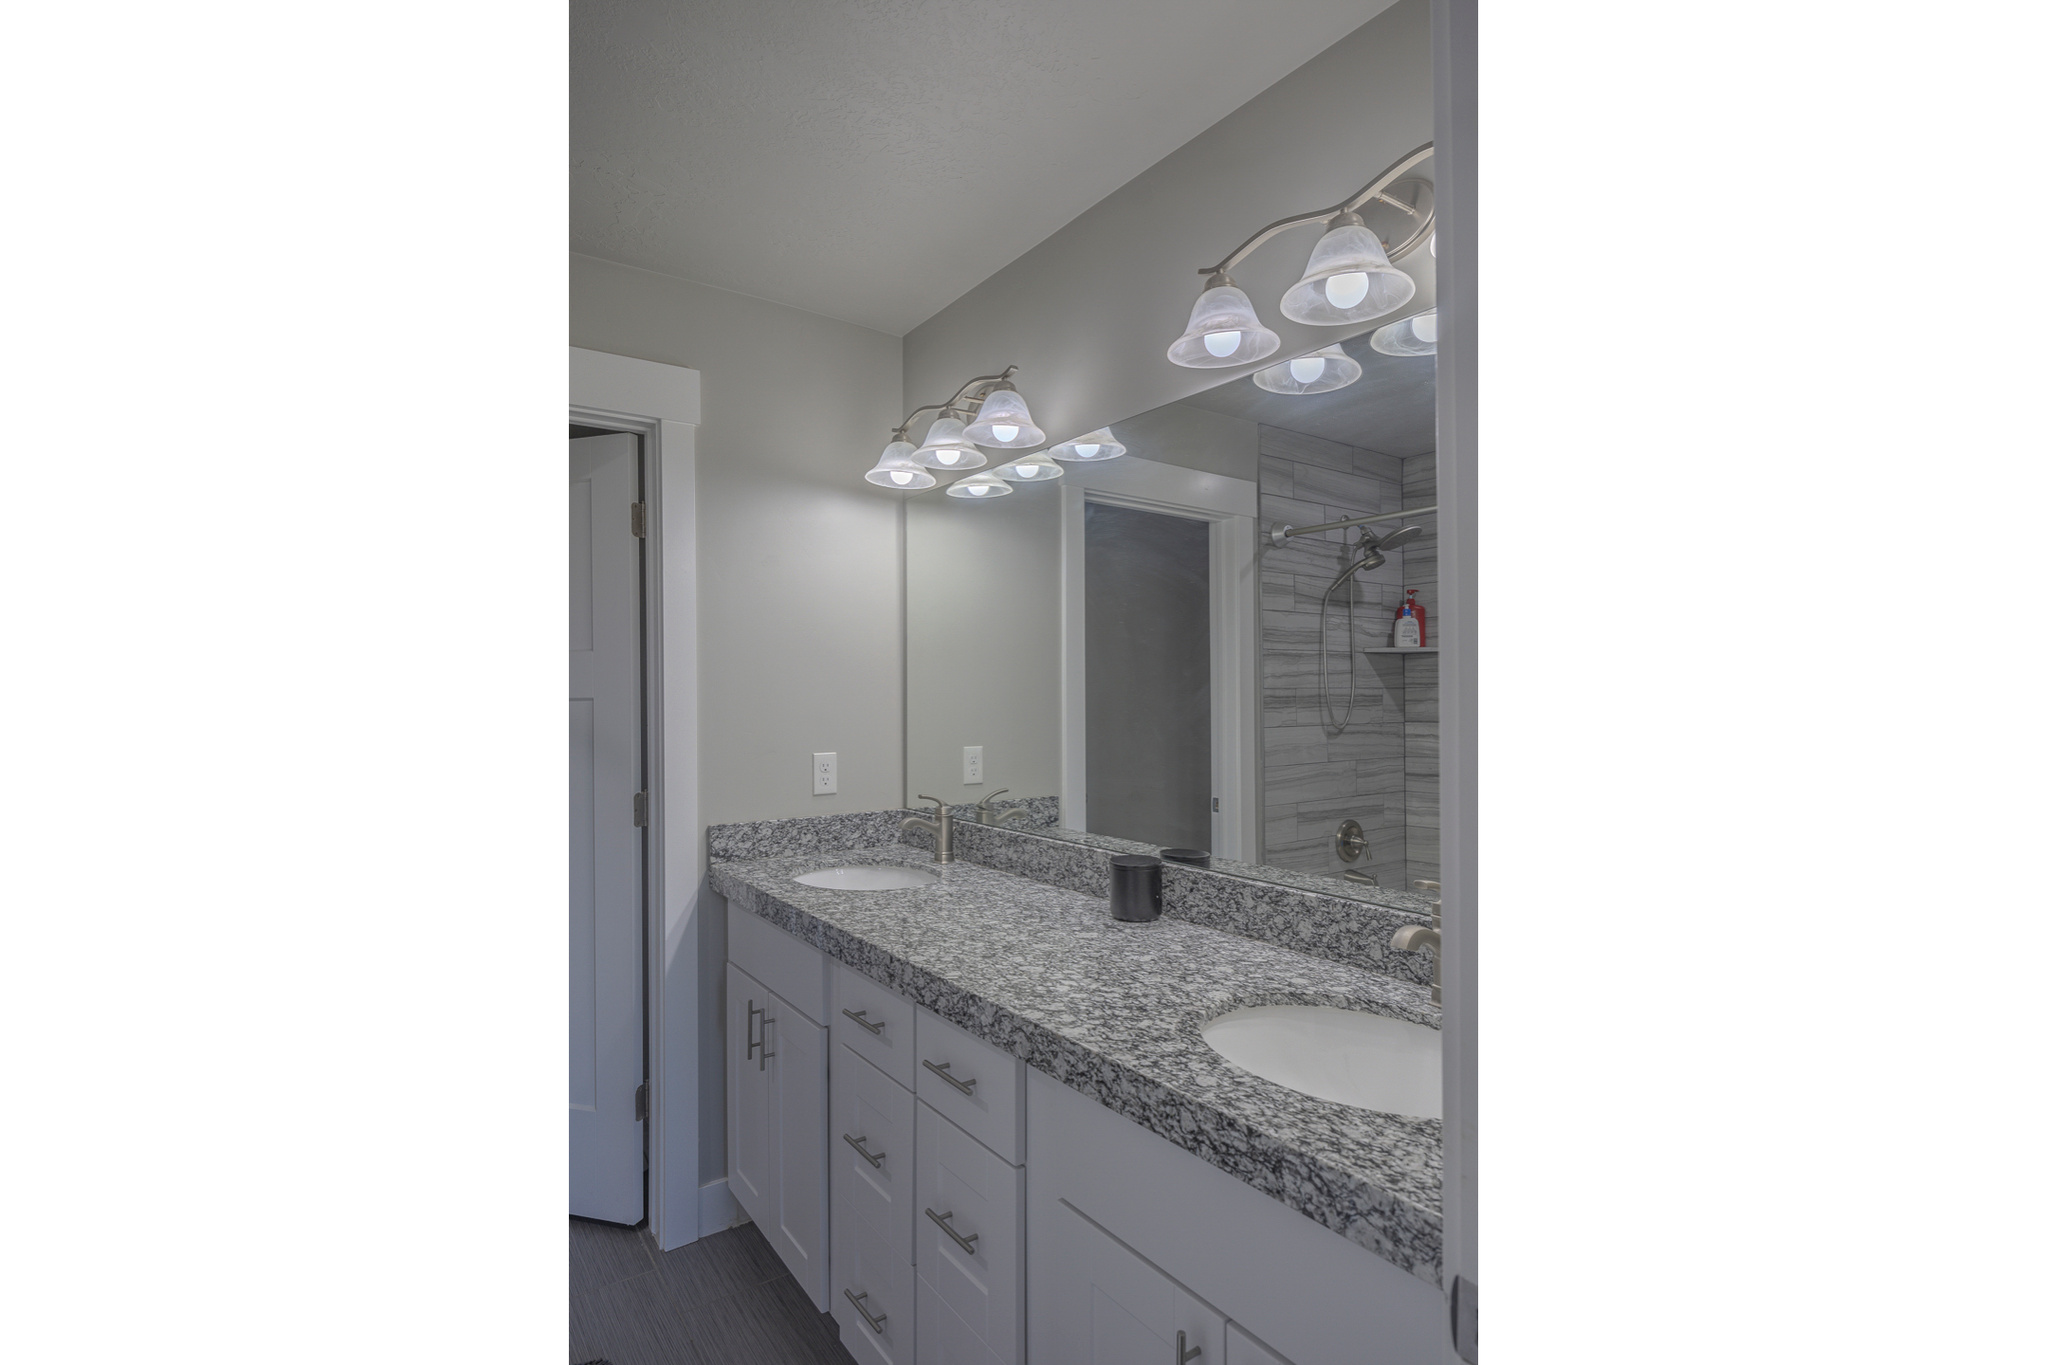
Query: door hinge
column 640, row 810
column 640, row 1101
column 640, row 519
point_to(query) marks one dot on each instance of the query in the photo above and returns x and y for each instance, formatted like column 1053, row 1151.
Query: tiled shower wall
column 1418, row 676
column 1315, row 779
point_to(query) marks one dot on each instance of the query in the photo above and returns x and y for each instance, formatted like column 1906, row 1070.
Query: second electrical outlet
column 824, row 774
column 970, row 765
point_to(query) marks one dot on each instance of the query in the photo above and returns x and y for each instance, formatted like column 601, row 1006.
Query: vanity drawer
column 778, row 960
column 975, row 1084
column 970, row 1234
column 872, row 1283
column 881, row 1115
column 942, row 1338
column 885, row 1031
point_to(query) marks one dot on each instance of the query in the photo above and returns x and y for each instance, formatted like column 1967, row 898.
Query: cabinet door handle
column 751, row 1044
column 873, row 1321
column 966, row 1243
column 940, row 1070
column 861, row 1017
column 1181, row 1354
column 765, row 1053
column 859, row 1144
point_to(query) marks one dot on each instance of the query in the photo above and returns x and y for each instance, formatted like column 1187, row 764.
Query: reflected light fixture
column 946, row 447
column 1409, row 336
column 1223, row 329
column 896, row 468
column 1350, row 276
column 1004, row 421
column 976, row 487
column 1316, row 372
column 1031, row 469
column 1100, row 444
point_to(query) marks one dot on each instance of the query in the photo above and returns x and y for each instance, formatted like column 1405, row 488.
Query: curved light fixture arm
column 1375, row 189
column 960, row 402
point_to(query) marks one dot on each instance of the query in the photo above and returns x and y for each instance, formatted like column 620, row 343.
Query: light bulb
column 1424, row 325
column 948, row 456
column 1221, row 344
column 1003, row 432
column 1345, row 291
column 977, row 490
column 1026, row 471
column 1308, row 369
column 1086, row 449
column 901, row 476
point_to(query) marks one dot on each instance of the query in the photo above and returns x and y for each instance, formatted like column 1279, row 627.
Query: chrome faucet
column 941, row 828
column 1001, row 817
column 1410, row 937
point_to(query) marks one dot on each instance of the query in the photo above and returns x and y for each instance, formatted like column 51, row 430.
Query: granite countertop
column 1115, row 1011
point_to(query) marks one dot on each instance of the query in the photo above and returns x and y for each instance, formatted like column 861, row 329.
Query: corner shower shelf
column 1396, row 649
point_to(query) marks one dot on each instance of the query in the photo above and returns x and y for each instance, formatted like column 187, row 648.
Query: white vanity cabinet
column 775, row 1070
column 874, row 1173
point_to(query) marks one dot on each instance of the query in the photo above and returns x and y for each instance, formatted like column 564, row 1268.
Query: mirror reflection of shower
column 1370, row 554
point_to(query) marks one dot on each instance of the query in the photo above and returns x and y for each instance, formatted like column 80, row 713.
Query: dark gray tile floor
column 722, row 1300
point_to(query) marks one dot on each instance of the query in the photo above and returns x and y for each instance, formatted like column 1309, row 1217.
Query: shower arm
column 1280, row 534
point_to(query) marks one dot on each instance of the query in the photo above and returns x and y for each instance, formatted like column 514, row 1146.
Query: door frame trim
column 1232, row 507
column 660, row 403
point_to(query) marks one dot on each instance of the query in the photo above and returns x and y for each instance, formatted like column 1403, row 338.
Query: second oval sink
column 878, row 877
column 1350, row 1056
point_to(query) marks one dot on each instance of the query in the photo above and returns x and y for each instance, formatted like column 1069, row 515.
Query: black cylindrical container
column 1193, row 857
column 1134, row 887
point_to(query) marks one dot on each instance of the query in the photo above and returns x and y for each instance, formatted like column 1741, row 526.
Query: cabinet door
column 796, row 1076
column 970, row 1233
column 749, row 1150
column 873, row 1144
column 1240, row 1348
column 1112, row 1307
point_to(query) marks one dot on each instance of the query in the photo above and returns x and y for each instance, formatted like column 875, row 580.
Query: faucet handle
column 1424, row 884
column 983, row 803
column 939, row 806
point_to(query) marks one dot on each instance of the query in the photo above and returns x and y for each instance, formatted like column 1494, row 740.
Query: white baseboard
column 717, row 1210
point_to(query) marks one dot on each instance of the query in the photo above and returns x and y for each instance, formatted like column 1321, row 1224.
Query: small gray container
column 1134, row 887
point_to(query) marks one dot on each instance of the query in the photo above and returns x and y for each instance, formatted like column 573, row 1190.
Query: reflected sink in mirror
column 869, row 878
column 1349, row 1056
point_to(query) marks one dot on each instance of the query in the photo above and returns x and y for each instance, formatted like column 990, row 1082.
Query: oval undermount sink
column 1349, row 1056
column 874, row 878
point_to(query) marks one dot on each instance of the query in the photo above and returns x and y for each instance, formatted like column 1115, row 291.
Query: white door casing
column 607, row 1151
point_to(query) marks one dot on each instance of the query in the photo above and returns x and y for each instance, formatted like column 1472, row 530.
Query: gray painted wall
column 1194, row 438
column 1148, row 676
column 1088, row 313
column 800, row 622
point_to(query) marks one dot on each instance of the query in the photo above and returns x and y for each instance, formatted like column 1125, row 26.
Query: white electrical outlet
column 970, row 766
column 824, row 774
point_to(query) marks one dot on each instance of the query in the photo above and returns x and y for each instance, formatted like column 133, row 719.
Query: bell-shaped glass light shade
column 1223, row 329
column 976, row 487
column 1409, row 336
column 1096, row 445
column 1348, row 279
column 946, row 447
column 897, row 470
column 1317, row 372
column 1030, row 469
column 1004, row 422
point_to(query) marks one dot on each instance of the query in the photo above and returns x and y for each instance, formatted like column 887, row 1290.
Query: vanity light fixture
column 1409, row 336
column 1100, row 444
column 1004, row 421
column 1030, row 469
column 946, row 447
column 978, row 486
column 1316, row 372
column 896, row 468
column 1350, row 277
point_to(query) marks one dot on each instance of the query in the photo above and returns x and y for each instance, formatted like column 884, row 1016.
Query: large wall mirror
column 1199, row 637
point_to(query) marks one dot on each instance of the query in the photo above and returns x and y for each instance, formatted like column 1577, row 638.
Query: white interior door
column 607, row 1154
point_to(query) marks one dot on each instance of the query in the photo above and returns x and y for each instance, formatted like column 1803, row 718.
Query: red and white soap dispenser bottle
column 1410, row 624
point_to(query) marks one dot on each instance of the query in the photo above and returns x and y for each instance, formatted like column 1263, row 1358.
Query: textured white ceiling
column 872, row 160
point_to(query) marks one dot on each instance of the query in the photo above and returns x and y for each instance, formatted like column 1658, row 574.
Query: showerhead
column 1400, row 537
column 1371, row 552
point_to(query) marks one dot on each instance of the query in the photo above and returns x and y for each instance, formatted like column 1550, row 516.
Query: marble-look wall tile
column 1424, row 822
column 1422, row 749
column 1392, row 468
column 1282, row 444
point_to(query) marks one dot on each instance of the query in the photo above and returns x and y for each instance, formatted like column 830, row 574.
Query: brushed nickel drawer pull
column 765, row 1053
column 859, row 1144
column 751, row 1044
column 1181, row 1354
column 861, row 1017
column 966, row 1243
column 940, row 1070
column 874, row 1323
